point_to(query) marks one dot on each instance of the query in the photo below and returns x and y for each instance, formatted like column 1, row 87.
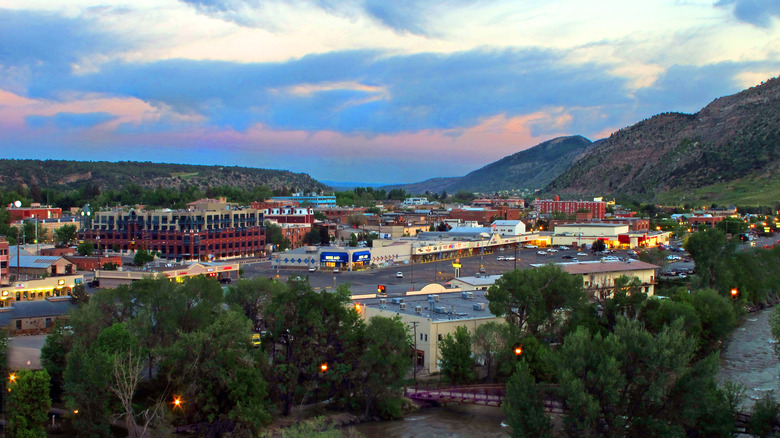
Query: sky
column 375, row 91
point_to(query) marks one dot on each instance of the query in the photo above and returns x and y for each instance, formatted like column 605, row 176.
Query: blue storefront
column 333, row 259
column 361, row 259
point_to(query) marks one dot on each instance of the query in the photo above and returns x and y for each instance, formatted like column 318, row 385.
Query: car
column 256, row 340
column 552, row 250
column 563, row 248
column 581, row 254
column 225, row 280
column 499, row 258
column 541, row 252
column 531, row 246
column 673, row 257
column 510, row 258
column 399, row 274
column 610, row 259
column 575, row 260
column 336, row 270
column 568, row 256
column 312, row 269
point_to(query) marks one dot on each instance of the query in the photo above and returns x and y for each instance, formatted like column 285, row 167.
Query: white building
column 508, row 228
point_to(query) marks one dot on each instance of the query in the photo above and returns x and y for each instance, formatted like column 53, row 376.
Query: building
column 217, row 233
column 40, row 266
column 4, row 255
column 707, row 219
column 39, row 289
column 34, row 317
column 599, row 277
column 339, row 215
column 570, row 208
column 50, row 225
column 497, row 202
column 289, row 215
column 93, row 263
column 178, row 272
column 509, row 228
column 35, row 211
column 430, row 314
column 415, row 201
column 586, row 233
column 312, row 198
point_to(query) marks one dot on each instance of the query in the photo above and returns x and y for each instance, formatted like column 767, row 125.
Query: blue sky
column 360, row 90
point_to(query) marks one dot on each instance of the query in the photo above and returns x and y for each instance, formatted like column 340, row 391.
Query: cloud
column 69, row 120
column 757, row 12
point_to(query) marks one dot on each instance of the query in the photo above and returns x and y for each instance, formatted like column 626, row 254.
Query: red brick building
column 93, row 263
column 4, row 254
column 34, row 211
column 570, row 208
column 339, row 215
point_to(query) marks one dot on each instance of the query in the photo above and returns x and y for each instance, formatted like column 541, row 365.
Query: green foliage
column 142, row 257
column 28, row 404
column 65, row 234
column 385, row 361
column 274, row 235
column 598, row 246
column 765, row 416
column 523, row 407
column 714, row 311
column 53, row 357
column 532, row 298
column 492, row 345
column 85, row 248
column 708, row 248
column 456, row 360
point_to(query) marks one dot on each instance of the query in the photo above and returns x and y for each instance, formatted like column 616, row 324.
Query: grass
column 752, row 192
column 184, row 175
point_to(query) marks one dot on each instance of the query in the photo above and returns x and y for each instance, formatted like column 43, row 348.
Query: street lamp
column 734, row 292
column 177, row 402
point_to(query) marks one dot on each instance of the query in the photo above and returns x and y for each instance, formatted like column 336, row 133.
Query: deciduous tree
column 28, row 404
column 456, row 360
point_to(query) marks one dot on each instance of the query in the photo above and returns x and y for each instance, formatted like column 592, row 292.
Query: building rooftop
column 596, row 267
column 35, row 309
column 451, row 305
column 591, row 225
column 33, row 261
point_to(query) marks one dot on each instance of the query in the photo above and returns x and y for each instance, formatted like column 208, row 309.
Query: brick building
column 32, row 212
column 219, row 232
column 339, row 215
column 570, row 208
column 4, row 254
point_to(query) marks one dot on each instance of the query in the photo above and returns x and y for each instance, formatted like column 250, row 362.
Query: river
column 441, row 422
column 748, row 357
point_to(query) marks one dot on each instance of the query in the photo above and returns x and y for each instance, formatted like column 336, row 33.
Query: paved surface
column 25, row 352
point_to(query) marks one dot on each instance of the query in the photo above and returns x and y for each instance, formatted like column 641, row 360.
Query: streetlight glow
column 734, row 292
column 324, row 367
column 177, row 402
column 12, row 377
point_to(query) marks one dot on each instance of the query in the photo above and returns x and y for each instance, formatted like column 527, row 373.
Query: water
column 441, row 422
column 748, row 357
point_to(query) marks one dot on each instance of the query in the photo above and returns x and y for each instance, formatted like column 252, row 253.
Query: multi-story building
column 485, row 215
column 195, row 234
column 313, row 199
column 4, row 252
column 339, row 215
column 546, row 206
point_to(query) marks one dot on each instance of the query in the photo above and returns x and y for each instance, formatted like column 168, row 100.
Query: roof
column 598, row 267
column 456, row 306
column 591, row 225
column 35, row 309
column 483, row 280
column 33, row 261
column 506, row 222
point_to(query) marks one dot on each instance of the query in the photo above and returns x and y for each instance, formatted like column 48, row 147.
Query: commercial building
column 178, row 272
column 39, row 289
column 599, row 277
column 339, row 215
column 50, row 225
column 570, row 208
column 4, row 254
column 35, row 211
column 34, row 317
column 219, row 232
column 40, row 266
column 431, row 314
column 312, row 198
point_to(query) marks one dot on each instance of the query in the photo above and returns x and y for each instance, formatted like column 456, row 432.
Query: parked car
column 499, row 258
column 510, row 258
column 255, row 340
column 541, row 252
column 563, row 248
column 312, row 269
column 336, row 270
column 552, row 250
column 575, row 260
column 581, row 254
column 568, row 256
column 531, row 246
column 399, row 274
column 610, row 259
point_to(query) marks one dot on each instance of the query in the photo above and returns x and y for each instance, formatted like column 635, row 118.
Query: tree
column 598, row 246
column 30, row 235
column 530, row 298
column 324, row 236
column 455, row 356
column 385, row 361
column 708, row 248
column 523, row 407
column 491, row 344
column 85, row 248
column 252, row 296
column 355, row 220
column 274, row 235
column 142, row 257
column 65, row 234
column 53, row 357
column 311, row 238
column 28, row 404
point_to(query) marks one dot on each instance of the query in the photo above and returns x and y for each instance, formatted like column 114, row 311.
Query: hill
column 531, row 168
column 727, row 152
column 69, row 175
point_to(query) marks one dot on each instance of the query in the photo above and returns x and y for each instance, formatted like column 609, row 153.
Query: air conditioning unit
column 440, row 309
column 430, row 297
column 397, row 300
column 436, row 298
column 383, row 306
column 478, row 306
column 382, row 301
column 402, row 306
column 418, row 310
column 467, row 295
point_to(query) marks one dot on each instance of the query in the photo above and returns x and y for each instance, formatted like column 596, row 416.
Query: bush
column 765, row 416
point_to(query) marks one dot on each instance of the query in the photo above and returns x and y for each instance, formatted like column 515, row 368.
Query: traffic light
column 381, row 290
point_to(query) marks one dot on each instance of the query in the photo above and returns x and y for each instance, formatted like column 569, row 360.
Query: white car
column 575, row 260
column 541, row 252
column 563, row 248
column 399, row 274
column 499, row 258
column 581, row 254
column 510, row 258
column 610, row 259
column 552, row 250
column 673, row 257
column 530, row 246
column 312, row 269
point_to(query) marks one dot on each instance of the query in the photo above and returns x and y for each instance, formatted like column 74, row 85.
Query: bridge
column 485, row 395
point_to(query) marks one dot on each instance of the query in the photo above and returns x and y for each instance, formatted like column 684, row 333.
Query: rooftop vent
column 478, row 306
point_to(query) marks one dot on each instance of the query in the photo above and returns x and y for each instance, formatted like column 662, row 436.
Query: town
column 444, row 276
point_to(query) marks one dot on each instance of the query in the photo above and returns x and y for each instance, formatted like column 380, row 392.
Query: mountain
column 68, row 175
column 727, row 152
column 530, row 168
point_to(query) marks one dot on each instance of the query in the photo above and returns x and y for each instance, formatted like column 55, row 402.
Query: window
column 421, row 336
column 18, row 324
column 48, row 322
column 440, row 338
